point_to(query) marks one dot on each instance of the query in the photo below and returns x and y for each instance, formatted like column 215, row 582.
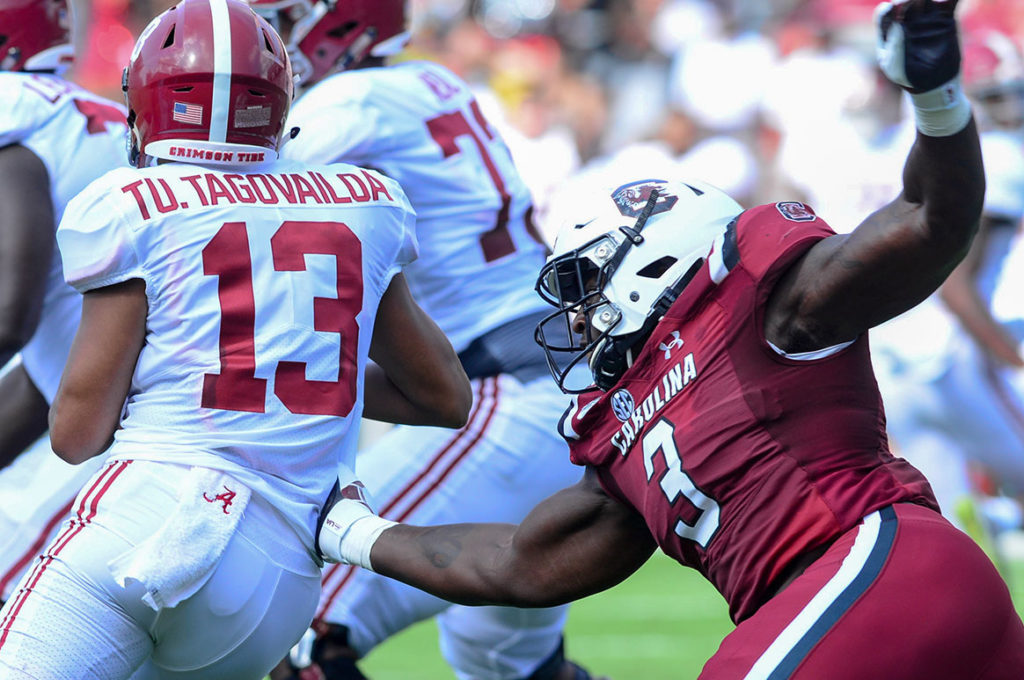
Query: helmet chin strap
column 615, row 355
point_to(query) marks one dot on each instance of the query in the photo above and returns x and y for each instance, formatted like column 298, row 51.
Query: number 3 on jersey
column 236, row 387
column 675, row 483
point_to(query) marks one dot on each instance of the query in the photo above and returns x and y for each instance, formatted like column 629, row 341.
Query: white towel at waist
column 180, row 556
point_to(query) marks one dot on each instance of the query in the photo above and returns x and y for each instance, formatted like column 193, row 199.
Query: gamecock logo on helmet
column 631, row 198
column 623, row 405
column 795, row 211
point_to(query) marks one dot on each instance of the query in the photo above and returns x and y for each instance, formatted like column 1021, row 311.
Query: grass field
column 662, row 623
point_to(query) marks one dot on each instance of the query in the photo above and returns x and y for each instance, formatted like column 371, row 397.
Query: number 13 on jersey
column 236, row 387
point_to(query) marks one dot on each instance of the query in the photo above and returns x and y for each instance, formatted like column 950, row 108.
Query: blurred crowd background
column 763, row 98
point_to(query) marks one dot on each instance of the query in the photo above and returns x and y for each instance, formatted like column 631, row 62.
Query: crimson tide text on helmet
column 333, row 35
column 208, row 82
column 993, row 76
column 35, row 35
column 619, row 262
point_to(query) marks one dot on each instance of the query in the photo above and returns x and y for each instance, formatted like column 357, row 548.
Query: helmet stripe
column 221, row 103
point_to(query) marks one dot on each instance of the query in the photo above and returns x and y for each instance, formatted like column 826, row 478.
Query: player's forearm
column 470, row 564
column 974, row 315
column 945, row 177
column 386, row 402
column 23, row 414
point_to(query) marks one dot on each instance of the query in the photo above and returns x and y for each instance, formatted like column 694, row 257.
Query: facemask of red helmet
column 325, row 36
column 35, row 35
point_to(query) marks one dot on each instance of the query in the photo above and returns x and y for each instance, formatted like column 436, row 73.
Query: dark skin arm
column 846, row 284
column 23, row 414
column 960, row 294
column 26, row 245
column 576, row 543
column 417, row 378
column 98, row 374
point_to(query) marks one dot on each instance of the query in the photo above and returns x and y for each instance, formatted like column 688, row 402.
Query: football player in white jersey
column 55, row 138
column 230, row 303
column 419, row 124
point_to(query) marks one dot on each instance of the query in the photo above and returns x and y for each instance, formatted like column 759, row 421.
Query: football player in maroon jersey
column 734, row 420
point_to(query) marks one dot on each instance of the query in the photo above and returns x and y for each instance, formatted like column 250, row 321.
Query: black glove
column 918, row 47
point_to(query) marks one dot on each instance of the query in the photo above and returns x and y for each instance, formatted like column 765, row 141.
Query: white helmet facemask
column 619, row 268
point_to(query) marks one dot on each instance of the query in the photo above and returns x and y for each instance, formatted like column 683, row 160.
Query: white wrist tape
column 349, row 531
column 943, row 111
column 357, row 541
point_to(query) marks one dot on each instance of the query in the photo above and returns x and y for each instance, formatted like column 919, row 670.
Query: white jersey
column 263, row 285
column 1003, row 153
column 419, row 124
column 78, row 137
column 1004, row 197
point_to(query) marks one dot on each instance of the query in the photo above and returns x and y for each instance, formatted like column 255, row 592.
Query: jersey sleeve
column 336, row 122
column 23, row 112
column 97, row 245
column 408, row 247
column 767, row 237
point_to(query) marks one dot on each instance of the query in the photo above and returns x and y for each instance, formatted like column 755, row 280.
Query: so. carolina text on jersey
column 672, row 383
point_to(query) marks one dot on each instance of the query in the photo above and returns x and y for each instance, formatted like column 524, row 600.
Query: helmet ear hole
column 655, row 269
column 170, row 38
column 342, row 30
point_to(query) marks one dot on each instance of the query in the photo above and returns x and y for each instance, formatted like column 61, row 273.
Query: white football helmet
column 621, row 261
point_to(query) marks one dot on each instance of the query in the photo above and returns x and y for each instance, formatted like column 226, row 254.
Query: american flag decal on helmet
column 187, row 113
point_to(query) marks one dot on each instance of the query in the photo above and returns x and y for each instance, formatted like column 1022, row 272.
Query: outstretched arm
column 417, row 378
column 23, row 413
column 961, row 295
column 576, row 543
column 901, row 253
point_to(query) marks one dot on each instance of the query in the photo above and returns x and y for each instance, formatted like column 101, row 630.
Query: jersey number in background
column 675, row 482
column 237, row 388
column 445, row 129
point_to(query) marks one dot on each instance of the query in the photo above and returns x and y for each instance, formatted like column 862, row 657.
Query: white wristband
column 356, row 544
column 943, row 111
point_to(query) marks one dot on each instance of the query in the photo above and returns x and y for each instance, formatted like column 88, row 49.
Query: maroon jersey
column 740, row 458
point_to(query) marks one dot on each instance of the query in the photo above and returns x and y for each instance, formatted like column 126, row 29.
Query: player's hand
column 348, row 527
column 917, row 43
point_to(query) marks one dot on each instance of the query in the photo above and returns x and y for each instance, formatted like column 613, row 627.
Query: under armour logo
column 667, row 349
column 226, row 498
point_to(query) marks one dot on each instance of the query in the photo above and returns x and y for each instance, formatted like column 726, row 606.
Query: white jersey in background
column 78, row 136
column 420, row 125
column 479, row 258
column 263, row 286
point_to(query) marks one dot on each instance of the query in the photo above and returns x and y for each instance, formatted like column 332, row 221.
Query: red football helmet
column 208, row 81
column 35, row 35
column 334, row 35
column 993, row 76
